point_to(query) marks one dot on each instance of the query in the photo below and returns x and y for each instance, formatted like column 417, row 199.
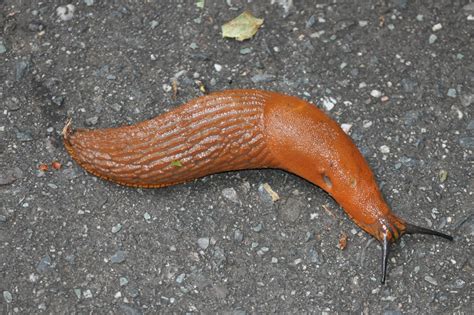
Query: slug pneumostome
column 243, row 129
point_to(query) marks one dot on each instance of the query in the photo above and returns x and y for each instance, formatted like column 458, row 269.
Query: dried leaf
column 271, row 192
column 242, row 27
column 176, row 163
column 342, row 241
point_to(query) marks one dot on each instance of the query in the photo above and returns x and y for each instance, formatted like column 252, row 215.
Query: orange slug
column 243, row 129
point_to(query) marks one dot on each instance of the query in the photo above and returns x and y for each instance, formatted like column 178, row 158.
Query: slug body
column 242, row 129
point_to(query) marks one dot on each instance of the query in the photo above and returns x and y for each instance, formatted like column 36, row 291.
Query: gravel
column 115, row 64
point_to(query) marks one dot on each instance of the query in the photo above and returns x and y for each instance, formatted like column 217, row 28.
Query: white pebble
column 419, row 17
column 376, row 93
column 362, row 85
column 118, row 295
column 152, row 57
column 363, row 23
column 432, row 38
column 66, row 12
column 437, row 27
column 346, row 127
column 167, row 87
column 329, row 102
column 384, row 149
column 203, row 242
column 87, row 294
column 218, row 67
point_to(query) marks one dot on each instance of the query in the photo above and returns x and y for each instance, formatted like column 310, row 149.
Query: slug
column 243, row 129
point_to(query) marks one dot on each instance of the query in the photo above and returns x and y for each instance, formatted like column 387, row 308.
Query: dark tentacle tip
column 385, row 252
column 409, row 229
column 414, row 229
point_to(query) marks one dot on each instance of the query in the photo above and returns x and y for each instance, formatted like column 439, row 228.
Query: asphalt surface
column 399, row 73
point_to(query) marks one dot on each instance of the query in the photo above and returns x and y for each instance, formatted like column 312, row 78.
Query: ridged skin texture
column 234, row 130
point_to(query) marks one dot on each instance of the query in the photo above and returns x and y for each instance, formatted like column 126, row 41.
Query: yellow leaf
column 242, row 27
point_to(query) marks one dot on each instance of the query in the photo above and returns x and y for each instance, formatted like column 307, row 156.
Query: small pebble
column 3, row 218
column 419, row 17
column 376, row 93
column 367, row 124
column 262, row 251
column 123, row 281
column 432, row 38
column 66, row 12
column 363, row 23
column 116, row 228
column 264, row 77
column 87, row 294
column 384, row 149
column 329, row 103
column 314, row 257
column 431, row 280
column 36, row 26
column 7, row 296
column 116, row 107
column 311, row 21
column 193, row 45
column 437, row 27
column 44, row 265
column 92, row 121
column 218, row 67
column 470, row 125
column 258, row 228
column 180, row 278
column 231, row 194
column 384, row 98
column 238, row 236
column 245, row 51
column 3, row 48
column 467, row 142
column 78, row 293
column 153, row 24
column 89, row 2
column 133, row 292
column 459, row 284
column 452, row 93
column 118, row 257
column 346, row 127
column 203, row 242
column 147, row 216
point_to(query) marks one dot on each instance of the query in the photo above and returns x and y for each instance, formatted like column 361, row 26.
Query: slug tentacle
column 243, row 129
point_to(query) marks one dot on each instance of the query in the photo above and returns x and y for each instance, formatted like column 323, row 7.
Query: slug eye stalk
column 409, row 229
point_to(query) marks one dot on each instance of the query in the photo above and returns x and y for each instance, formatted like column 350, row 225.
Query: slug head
column 392, row 230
